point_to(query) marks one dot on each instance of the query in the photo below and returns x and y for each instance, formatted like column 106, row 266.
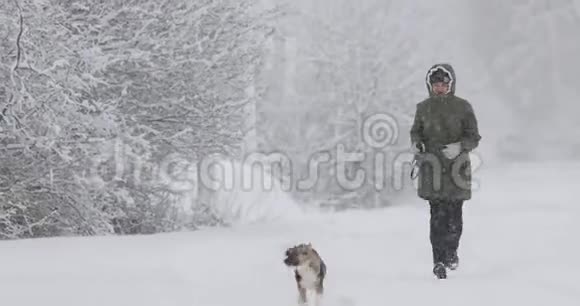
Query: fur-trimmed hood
column 449, row 70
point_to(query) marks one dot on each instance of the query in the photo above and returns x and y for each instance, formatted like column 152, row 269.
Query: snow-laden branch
column 148, row 79
column 20, row 31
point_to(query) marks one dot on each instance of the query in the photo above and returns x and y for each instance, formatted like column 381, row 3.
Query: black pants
column 446, row 228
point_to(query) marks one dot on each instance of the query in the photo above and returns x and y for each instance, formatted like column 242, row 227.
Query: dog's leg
column 301, row 290
column 317, row 299
column 319, row 290
column 301, row 295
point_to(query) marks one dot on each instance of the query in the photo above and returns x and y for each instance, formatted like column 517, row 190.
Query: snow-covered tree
column 340, row 62
column 98, row 94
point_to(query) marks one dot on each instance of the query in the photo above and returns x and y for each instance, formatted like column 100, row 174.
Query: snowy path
column 520, row 247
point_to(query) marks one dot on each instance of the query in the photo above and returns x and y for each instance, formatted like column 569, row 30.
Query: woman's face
column 440, row 88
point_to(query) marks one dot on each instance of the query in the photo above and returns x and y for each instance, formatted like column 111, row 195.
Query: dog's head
column 299, row 255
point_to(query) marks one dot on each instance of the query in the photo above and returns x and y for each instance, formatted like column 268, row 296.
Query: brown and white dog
column 309, row 272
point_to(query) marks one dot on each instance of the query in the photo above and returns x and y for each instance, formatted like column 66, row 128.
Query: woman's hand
column 452, row 150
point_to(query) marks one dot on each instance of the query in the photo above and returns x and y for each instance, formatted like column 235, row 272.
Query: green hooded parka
column 441, row 120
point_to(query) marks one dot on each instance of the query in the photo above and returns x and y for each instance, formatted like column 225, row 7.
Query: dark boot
column 440, row 271
column 452, row 262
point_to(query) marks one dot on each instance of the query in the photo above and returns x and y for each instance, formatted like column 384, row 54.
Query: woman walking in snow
column 444, row 131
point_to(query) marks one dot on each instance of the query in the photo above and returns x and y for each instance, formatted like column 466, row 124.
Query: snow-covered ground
column 520, row 247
